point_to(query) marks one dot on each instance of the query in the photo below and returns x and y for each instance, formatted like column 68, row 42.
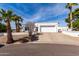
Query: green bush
column 2, row 28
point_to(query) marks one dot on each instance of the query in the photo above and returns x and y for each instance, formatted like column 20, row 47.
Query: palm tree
column 67, row 20
column 0, row 19
column 17, row 19
column 69, row 6
column 6, row 16
column 0, row 23
column 76, row 20
column 76, row 13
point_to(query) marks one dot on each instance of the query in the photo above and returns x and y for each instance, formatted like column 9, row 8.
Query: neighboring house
column 23, row 28
column 13, row 30
column 63, row 28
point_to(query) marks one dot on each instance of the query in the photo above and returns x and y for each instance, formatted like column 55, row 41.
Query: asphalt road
column 36, row 49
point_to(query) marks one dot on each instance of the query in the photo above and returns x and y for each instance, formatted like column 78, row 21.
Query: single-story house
column 47, row 27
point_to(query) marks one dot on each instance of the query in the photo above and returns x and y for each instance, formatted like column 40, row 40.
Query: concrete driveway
column 49, row 44
column 57, row 38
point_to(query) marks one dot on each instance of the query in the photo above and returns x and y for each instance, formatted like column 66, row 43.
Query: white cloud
column 50, row 11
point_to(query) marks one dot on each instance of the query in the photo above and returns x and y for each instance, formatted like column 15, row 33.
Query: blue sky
column 39, row 12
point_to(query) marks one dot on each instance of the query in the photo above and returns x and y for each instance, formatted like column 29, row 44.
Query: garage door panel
column 48, row 29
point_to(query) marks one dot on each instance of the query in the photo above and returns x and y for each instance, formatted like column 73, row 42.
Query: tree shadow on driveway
column 1, row 45
column 34, row 37
column 22, row 40
column 27, row 38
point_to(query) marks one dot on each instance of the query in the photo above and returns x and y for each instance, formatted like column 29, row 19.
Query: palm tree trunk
column 0, row 28
column 9, row 34
column 17, row 27
column 71, row 26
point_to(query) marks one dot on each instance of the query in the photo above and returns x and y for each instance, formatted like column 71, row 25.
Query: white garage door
column 48, row 29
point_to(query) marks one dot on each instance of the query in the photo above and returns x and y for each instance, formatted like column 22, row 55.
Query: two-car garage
column 47, row 27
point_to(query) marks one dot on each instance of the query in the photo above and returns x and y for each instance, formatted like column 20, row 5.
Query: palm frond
column 74, row 4
column 0, row 18
column 20, row 24
column 9, row 12
column 2, row 11
column 21, row 19
column 70, row 5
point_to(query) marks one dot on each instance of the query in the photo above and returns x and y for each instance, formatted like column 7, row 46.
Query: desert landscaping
column 42, row 31
column 49, row 44
column 53, row 38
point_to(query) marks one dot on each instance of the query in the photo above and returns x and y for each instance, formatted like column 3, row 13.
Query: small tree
column 30, row 28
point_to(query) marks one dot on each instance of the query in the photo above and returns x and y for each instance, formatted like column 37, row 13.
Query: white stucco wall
column 46, row 24
column 71, row 33
column 63, row 28
column 20, row 33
